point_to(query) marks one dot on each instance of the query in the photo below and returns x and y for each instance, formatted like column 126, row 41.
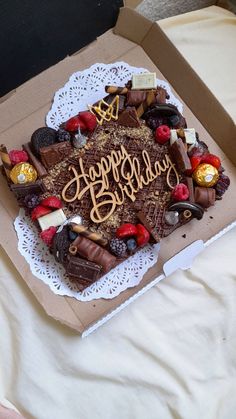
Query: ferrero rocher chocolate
column 23, row 173
column 205, row 175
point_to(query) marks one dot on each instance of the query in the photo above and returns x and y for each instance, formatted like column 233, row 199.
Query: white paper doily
column 44, row 266
column 83, row 88
column 87, row 87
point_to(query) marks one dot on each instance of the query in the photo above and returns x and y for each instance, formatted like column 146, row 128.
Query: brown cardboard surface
column 25, row 111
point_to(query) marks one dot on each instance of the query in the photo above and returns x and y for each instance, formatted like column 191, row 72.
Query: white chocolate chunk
column 144, row 81
column 190, row 135
column 173, row 136
column 55, row 219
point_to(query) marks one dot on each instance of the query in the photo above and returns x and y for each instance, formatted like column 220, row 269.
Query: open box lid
column 24, row 111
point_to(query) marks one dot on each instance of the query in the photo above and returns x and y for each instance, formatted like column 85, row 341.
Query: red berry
column 47, row 235
column 39, row 211
column 126, row 230
column 195, row 161
column 74, row 123
column 89, row 119
column 18, row 156
column 180, row 192
column 211, row 159
column 143, row 236
column 162, row 134
column 51, row 202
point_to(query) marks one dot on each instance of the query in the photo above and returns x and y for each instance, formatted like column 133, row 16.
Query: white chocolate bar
column 173, row 136
column 144, row 81
column 53, row 219
column 190, row 135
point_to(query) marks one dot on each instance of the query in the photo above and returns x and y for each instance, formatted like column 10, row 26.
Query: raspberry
column 31, row 201
column 118, row 247
column 51, row 202
column 89, row 119
column 47, row 235
column 18, row 156
column 39, row 211
column 63, row 135
column 180, row 192
column 162, row 134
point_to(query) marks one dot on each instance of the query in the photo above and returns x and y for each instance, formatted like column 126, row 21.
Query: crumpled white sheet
column 169, row 355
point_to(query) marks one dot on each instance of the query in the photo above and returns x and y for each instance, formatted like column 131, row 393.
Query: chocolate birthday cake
column 113, row 178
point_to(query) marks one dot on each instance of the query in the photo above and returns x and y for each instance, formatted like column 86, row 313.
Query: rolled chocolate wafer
column 83, row 230
column 94, row 253
column 116, row 90
column 35, row 161
column 150, row 98
column 6, row 162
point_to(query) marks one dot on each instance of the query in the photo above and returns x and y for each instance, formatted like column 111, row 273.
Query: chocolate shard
column 179, row 155
column 151, row 229
column 35, row 161
column 55, row 153
column 94, row 253
column 21, row 190
column 129, row 118
column 83, row 271
column 135, row 97
column 205, row 196
column 189, row 183
column 109, row 98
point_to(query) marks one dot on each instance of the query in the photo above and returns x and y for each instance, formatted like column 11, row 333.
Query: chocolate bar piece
column 205, row 196
column 189, row 183
column 55, row 153
column 35, row 161
column 143, row 219
column 21, row 190
column 129, row 118
column 83, row 271
column 180, row 156
column 94, row 253
column 150, row 98
column 135, row 97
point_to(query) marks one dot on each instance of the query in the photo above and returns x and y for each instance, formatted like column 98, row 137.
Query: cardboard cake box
column 140, row 43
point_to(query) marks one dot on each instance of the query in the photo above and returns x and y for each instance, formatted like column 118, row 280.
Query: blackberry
column 31, row 201
column 63, row 135
column 153, row 122
column 222, row 185
column 118, row 247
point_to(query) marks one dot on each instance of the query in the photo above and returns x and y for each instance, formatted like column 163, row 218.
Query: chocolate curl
column 34, row 161
column 116, row 90
column 83, row 230
column 151, row 98
column 6, row 162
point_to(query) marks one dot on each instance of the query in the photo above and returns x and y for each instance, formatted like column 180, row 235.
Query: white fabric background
column 171, row 354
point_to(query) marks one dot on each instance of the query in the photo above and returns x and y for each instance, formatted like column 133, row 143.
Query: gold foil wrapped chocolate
column 205, row 175
column 23, row 173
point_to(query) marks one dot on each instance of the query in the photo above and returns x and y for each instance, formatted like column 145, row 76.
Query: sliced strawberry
column 47, row 235
column 89, row 119
column 126, row 230
column 195, row 161
column 39, row 211
column 143, row 236
column 74, row 123
column 211, row 159
column 51, row 202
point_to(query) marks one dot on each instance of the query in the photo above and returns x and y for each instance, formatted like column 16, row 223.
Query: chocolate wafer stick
column 6, row 162
column 116, row 90
column 150, row 98
column 83, row 230
column 34, row 161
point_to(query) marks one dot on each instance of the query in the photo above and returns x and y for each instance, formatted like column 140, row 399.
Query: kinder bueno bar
column 83, row 271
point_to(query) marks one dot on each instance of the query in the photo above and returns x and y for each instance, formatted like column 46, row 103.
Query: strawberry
column 89, row 119
column 74, row 123
column 39, row 211
column 180, row 192
column 51, row 202
column 126, row 230
column 162, row 134
column 18, row 156
column 143, row 236
column 47, row 235
column 195, row 161
column 211, row 159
